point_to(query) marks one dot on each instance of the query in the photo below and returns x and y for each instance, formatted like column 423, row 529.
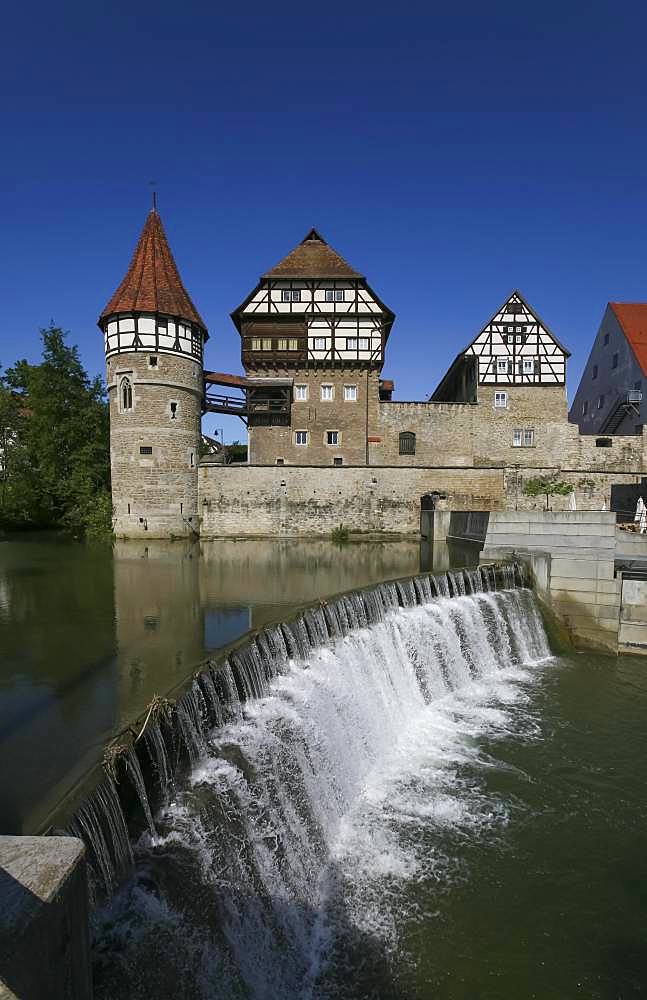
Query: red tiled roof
column 632, row 317
column 313, row 258
column 153, row 282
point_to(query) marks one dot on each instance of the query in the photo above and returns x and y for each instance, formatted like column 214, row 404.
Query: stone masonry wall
column 155, row 495
column 317, row 416
column 266, row 500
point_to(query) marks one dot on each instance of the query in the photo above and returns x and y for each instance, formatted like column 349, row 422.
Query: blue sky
column 450, row 157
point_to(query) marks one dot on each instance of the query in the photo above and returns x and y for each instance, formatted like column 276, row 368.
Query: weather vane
column 152, row 184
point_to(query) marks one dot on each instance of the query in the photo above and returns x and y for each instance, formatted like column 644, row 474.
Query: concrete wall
column 632, row 637
column 44, row 938
column 572, row 554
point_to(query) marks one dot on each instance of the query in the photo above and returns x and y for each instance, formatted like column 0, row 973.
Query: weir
column 227, row 822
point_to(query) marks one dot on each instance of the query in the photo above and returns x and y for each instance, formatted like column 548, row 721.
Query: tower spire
column 152, row 283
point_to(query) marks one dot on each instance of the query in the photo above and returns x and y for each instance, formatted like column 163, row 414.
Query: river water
column 433, row 806
column 89, row 634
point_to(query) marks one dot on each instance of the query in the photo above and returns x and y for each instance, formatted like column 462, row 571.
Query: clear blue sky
column 449, row 156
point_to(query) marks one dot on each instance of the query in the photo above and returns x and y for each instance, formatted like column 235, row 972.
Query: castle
column 328, row 444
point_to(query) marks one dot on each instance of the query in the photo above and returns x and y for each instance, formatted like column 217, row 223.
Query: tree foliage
column 55, row 446
column 546, row 486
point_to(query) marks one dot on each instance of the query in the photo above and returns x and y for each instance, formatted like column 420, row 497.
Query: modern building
column 610, row 397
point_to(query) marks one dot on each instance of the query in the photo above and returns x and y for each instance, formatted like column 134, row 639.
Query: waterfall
column 421, row 615
column 303, row 811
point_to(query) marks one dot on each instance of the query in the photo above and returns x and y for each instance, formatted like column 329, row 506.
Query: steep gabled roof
column 516, row 294
column 152, row 282
column 632, row 317
column 313, row 258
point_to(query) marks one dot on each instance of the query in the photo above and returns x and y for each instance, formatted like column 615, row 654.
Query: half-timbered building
column 514, row 348
column 313, row 336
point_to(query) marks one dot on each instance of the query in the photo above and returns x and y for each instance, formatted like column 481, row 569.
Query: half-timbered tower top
column 312, row 307
column 515, row 347
column 151, row 309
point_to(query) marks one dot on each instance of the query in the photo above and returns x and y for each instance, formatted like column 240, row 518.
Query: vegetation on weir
column 54, row 443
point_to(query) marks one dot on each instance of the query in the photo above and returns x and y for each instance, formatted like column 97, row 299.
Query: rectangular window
column 301, row 437
column 280, row 461
column 334, row 295
column 638, row 384
column 501, row 399
column 528, row 366
column 281, row 344
column 350, row 393
column 267, row 343
column 614, row 362
column 152, row 362
column 601, row 402
column 338, row 461
column 585, row 407
column 256, row 343
column 332, row 437
column 290, row 295
column 301, row 393
column 145, row 449
column 594, row 373
column 523, row 437
column 357, row 343
column 502, row 366
column 293, row 344
column 606, row 339
column 320, row 343
column 327, row 392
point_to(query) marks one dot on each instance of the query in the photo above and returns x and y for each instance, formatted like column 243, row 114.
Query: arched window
column 126, row 394
column 407, row 443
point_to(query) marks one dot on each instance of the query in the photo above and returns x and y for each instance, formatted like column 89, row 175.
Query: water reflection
column 89, row 635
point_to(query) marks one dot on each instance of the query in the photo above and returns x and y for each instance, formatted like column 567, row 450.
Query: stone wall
column 317, row 416
column 266, row 500
column 155, row 495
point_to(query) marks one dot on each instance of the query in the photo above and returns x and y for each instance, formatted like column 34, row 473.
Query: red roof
column 153, row 282
column 632, row 317
column 313, row 258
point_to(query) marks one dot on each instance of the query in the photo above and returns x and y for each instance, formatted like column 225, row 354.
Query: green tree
column 547, row 486
column 64, row 469
column 11, row 423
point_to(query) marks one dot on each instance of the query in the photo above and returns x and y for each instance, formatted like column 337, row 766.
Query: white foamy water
column 309, row 812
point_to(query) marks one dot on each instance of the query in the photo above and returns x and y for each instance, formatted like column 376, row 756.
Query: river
column 89, row 634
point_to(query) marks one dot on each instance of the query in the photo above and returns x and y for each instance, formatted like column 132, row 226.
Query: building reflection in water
column 89, row 635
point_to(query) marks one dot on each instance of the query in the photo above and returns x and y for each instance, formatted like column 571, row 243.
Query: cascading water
column 338, row 744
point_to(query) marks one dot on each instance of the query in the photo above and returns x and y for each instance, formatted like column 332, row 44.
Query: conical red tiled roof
column 153, row 282
column 313, row 258
column 632, row 317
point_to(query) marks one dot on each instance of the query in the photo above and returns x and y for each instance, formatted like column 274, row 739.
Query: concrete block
column 44, row 935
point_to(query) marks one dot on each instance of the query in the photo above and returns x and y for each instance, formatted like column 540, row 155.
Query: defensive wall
column 250, row 500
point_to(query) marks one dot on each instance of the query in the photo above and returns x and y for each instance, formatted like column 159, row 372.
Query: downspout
column 367, row 456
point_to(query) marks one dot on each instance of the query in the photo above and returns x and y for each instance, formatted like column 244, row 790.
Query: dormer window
column 126, row 394
column 290, row 295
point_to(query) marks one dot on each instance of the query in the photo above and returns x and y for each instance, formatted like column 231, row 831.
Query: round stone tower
column 154, row 340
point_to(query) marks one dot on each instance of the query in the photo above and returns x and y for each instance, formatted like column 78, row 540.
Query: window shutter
column 521, row 367
column 537, row 366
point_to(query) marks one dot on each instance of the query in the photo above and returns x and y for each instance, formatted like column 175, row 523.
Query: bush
column 340, row 534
